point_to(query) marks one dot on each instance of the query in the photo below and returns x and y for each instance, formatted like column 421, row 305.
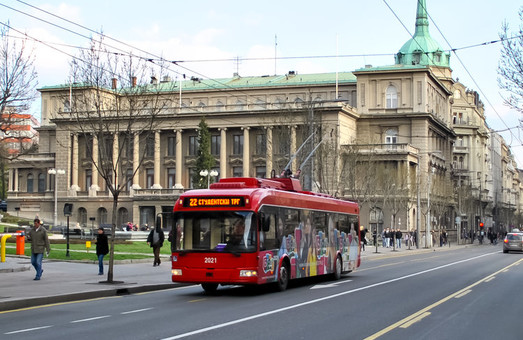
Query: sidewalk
column 68, row 281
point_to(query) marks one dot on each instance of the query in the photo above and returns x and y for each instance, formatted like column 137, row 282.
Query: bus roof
column 247, row 193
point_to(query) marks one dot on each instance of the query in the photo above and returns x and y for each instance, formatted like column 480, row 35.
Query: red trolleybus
column 257, row 231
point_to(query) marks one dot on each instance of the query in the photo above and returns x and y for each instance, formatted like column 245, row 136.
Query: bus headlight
column 176, row 272
column 248, row 273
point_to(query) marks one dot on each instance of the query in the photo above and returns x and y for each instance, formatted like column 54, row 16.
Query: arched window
column 102, row 216
column 391, row 136
column 392, row 97
column 123, row 217
column 82, row 216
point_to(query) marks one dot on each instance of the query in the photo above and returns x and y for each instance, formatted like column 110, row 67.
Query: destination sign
column 194, row 202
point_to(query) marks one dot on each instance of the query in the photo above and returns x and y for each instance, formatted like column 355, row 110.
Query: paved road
column 66, row 281
column 411, row 295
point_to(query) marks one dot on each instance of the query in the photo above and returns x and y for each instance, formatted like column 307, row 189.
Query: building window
column 149, row 178
column 237, row 171
column 123, row 217
column 128, row 146
column 215, row 145
column 391, row 136
column 82, row 216
column 284, row 146
column 261, row 172
column 261, row 144
column 171, row 146
column 192, row 171
column 392, row 97
column 102, row 216
column 30, row 183
column 193, row 145
column 237, row 144
column 129, row 179
column 41, row 182
column 67, row 106
column 239, row 104
column 149, row 146
column 88, row 179
column 89, row 147
column 171, row 177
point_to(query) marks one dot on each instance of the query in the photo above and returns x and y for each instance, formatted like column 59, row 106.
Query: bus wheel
column 210, row 288
column 337, row 269
column 283, row 278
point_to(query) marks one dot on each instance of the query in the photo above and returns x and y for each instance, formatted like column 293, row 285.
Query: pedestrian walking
column 155, row 240
column 102, row 249
column 39, row 244
column 399, row 235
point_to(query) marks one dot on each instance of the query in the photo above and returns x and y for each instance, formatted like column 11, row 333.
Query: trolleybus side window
column 269, row 229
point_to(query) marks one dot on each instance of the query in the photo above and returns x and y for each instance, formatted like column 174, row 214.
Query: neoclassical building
column 406, row 141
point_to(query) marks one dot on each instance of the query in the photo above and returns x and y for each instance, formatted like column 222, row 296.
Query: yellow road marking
column 490, row 279
column 197, row 300
column 434, row 305
column 463, row 294
column 416, row 319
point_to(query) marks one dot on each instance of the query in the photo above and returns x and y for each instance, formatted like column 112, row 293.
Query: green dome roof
column 421, row 49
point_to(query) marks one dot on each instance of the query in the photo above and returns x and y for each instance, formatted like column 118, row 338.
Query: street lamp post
column 55, row 172
column 208, row 174
column 428, row 237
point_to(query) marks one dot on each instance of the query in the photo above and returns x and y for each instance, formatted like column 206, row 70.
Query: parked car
column 513, row 242
column 3, row 206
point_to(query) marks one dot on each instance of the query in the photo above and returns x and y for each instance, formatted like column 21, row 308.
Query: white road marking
column 136, row 311
column 253, row 317
column 91, row 319
column 330, row 285
column 28, row 330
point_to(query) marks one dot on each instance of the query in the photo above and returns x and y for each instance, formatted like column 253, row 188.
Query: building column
column 293, row 148
column 268, row 156
column 156, row 184
column 16, row 179
column 74, row 165
column 246, row 152
column 178, row 176
column 136, row 160
column 94, row 186
column 223, row 153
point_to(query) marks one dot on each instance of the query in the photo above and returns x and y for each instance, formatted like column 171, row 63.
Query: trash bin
column 20, row 242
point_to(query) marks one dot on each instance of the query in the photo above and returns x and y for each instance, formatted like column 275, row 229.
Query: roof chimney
column 114, row 83
column 133, row 79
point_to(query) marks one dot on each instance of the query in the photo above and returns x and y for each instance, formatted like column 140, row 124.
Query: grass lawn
column 78, row 251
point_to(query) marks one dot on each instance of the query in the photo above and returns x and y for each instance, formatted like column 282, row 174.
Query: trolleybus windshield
column 217, row 231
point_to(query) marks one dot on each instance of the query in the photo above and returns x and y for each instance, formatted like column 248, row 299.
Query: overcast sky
column 296, row 32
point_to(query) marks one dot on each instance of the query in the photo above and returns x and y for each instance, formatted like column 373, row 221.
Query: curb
column 116, row 291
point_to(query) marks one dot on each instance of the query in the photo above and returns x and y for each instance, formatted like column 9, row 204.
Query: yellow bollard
column 2, row 250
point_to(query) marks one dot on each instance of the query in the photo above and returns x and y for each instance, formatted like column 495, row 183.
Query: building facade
column 406, row 141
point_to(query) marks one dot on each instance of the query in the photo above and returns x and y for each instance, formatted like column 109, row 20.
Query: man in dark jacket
column 102, row 249
column 155, row 240
column 39, row 244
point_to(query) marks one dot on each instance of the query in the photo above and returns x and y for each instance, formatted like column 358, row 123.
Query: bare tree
column 510, row 68
column 18, row 90
column 112, row 106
